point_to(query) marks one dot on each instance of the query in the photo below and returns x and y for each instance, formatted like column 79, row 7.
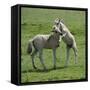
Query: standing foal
column 39, row 42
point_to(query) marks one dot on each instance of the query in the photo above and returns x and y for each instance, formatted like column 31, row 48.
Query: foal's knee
column 40, row 56
column 76, row 51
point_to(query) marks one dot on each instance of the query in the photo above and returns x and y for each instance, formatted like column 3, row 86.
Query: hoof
column 54, row 67
column 76, row 63
column 45, row 69
column 35, row 67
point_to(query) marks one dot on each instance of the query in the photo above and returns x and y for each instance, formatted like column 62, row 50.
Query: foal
column 68, row 38
column 39, row 42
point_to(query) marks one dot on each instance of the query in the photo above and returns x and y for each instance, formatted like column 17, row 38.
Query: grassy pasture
column 40, row 21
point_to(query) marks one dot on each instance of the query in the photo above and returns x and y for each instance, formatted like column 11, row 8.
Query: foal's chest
column 52, row 43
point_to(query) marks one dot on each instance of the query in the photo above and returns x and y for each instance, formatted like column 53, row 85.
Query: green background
column 40, row 21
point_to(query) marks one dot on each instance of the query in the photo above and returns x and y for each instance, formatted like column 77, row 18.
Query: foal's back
column 68, row 38
column 40, row 40
column 45, row 41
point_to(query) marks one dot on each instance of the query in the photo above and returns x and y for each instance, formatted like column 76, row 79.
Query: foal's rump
column 39, row 41
column 29, row 47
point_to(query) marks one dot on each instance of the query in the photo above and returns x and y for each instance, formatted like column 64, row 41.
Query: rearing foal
column 68, row 38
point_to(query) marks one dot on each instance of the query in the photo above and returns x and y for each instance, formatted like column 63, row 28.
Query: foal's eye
column 56, row 32
column 57, row 23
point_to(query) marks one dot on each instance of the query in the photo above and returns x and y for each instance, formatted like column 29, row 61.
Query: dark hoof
column 76, row 63
column 45, row 69
column 35, row 67
column 54, row 67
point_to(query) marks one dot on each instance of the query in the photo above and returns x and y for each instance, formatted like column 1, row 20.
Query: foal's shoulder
column 50, row 37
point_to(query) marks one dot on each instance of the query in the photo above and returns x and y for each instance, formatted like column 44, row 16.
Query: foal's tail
column 30, row 46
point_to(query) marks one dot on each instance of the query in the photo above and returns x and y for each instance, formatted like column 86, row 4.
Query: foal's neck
column 56, row 36
column 64, row 27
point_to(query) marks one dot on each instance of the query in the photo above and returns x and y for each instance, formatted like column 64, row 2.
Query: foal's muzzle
column 61, row 34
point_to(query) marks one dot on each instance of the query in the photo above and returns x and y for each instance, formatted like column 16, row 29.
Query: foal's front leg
column 54, row 58
column 41, row 58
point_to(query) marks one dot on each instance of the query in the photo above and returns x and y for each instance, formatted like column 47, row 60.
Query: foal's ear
column 61, row 20
column 53, row 29
column 57, row 20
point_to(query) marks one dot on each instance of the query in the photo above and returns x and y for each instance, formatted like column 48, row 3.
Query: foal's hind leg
column 67, row 55
column 33, row 55
column 75, row 53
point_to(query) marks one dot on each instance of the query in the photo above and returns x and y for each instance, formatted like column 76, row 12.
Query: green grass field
column 40, row 21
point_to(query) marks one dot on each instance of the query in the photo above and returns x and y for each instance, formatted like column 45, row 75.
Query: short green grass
column 40, row 21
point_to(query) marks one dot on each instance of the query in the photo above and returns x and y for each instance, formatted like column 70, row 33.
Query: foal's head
column 56, row 30
column 57, row 21
column 60, row 24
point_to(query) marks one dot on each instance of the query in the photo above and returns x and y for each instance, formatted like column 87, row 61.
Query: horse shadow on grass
column 49, row 69
column 42, row 70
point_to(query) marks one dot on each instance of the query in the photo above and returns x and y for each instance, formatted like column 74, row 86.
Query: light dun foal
column 68, row 38
column 39, row 42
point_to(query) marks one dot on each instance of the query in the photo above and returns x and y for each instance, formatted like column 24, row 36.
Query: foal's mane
column 50, row 36
column 63, row 26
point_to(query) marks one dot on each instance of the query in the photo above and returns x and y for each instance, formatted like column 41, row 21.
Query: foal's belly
column 41, row 41
column 51, row 45
column 68, row 41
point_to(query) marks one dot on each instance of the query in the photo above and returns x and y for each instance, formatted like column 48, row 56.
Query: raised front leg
column 54, row 58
